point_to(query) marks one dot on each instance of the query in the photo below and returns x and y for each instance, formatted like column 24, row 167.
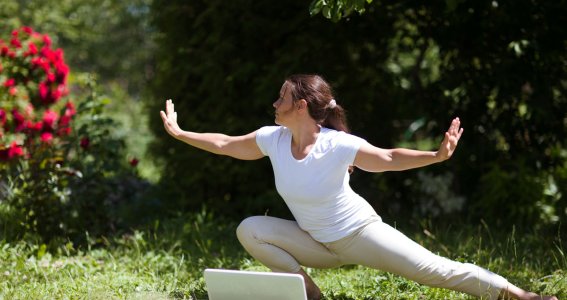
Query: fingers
column 169, row 107
column 455, row 128
column 169, row 114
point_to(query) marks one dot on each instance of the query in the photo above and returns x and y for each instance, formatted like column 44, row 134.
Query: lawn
column 167, row 261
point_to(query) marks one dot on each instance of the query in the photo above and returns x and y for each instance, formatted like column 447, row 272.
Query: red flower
column 85, row 143
column 37, row 126
column 27, row 30
column 15, row 151
column 46, row 52
column 18, row 120
column 47, row 137
column 134, row 162
column 32, row 49
column 49, row 119
column 4, row 50
column 61, row 70
column 56, row 93
column 2, row 116
column 50, row 77
column 47, row 40
column 10, row 82
column 64, row 128
column 44, row 92
column 11, row 152
column 41, row 62
column 13, row 91
column 57, row 56
column 70, row 109
column 16, row 43
column 36, row 62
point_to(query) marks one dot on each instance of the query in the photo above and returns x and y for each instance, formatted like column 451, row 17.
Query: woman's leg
column 283, row 247
column 382, row 247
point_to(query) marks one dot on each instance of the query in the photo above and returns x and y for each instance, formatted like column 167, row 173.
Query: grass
column 167, row 261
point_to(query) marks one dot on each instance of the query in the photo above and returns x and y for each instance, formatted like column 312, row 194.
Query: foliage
column 109, row 38
column 399, row 67
column 68, row 174
column 34, row 78
column 118, row 50
column 166, row 261
column 337, row 9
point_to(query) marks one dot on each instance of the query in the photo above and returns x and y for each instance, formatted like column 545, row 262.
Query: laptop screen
column 248, row 285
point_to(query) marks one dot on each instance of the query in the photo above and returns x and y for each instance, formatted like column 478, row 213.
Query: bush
column 520, row 196
column 62, row 171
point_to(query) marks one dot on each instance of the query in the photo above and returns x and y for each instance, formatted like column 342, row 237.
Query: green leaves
column 337, row 9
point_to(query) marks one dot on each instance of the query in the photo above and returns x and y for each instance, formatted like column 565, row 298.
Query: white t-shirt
column 316, row 188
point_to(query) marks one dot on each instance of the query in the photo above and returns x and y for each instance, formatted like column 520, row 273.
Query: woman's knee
column 247, row 229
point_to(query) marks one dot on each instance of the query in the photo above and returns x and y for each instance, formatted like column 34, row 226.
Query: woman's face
column 284, row 106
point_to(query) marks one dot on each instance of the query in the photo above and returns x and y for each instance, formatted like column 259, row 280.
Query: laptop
column 248, row 285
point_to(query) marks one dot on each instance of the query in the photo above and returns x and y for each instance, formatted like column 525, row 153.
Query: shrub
column 61, row 171
column 34, row 80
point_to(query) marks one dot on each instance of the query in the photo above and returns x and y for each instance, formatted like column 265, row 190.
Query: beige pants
column 284, row 247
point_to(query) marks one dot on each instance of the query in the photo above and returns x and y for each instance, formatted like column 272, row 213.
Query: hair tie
column 332, row 104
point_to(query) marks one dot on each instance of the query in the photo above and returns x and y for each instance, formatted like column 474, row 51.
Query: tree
column 503, row 66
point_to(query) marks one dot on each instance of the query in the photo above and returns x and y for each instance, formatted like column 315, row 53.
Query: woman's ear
column 301, row 104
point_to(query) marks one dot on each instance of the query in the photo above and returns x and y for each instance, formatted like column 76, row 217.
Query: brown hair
column 320, row 100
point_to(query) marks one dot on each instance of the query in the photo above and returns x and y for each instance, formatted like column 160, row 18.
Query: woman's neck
column 303, row 138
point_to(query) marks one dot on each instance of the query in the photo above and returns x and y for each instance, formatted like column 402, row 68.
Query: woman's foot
column 312, row 290
column 534, row 296
column 514, row 292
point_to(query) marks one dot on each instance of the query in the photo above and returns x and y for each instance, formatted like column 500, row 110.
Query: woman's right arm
column 240, row 147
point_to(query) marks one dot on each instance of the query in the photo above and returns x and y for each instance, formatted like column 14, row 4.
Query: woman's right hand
column 169, row 118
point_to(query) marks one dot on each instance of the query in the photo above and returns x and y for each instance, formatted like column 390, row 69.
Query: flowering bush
column 33, row 79
column 62, row 173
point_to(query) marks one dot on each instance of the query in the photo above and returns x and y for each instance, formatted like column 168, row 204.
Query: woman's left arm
column 374, row 159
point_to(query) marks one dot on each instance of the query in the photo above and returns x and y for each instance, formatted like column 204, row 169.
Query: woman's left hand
column 450, row 141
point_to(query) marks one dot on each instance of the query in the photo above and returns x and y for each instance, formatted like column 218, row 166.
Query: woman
column 312, row 154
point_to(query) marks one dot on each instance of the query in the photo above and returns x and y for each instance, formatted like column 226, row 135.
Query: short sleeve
column 348, row 146
column 265, row 138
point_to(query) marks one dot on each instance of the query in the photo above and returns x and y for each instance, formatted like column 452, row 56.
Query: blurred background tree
column 503, row 66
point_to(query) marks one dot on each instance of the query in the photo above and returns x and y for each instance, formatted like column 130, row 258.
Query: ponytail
column 336, row 119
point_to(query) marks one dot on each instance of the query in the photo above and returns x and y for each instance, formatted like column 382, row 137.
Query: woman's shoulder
column 339, row 137
column 333, row 133
column 272, row 131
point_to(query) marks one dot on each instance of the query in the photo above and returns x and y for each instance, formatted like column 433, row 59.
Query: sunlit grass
column 167, row 261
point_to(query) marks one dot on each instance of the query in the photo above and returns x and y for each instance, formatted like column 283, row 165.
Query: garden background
column 96, row 201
